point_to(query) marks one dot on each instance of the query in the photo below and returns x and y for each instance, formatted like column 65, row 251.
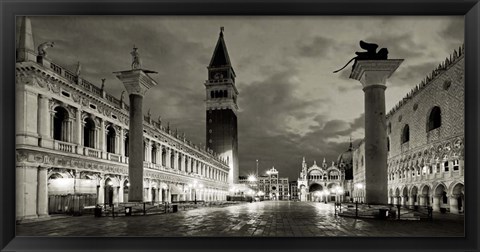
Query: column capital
column 136, row 81
column 374, row 72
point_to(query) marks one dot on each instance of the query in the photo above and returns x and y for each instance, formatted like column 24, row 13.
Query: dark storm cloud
column 288, row 93
column 454, row 30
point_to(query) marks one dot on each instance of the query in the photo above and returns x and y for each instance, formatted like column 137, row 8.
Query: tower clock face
column 218, row 75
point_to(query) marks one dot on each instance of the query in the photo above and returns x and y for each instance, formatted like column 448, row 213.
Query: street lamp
column 195, row 186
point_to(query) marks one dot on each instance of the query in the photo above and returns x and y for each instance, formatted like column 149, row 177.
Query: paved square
column 268, row 218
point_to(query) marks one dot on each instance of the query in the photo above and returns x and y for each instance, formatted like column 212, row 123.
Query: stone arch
column 414, row 190
column 457, row 188
column 315, row 187
column 89, row 128
column 397, row 192
column 404, row 191
column 60, row 123
column 439, row 188
column 111, row 138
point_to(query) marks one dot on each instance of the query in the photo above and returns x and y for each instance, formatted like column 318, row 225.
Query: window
column 126, row 145
column 60, row 124
column 389, row 128
column 434, row 119
column 225, row 93
column 438, row 168
column 405, row 134
column 388, row 144
column 456, row 165
column 89, row 133
column 445, row 166
column 212, row 94
column 111, row 139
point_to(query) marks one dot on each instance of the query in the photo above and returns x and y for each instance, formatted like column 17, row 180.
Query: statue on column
column 136, row 62
column 370, row 54
column 42, row 48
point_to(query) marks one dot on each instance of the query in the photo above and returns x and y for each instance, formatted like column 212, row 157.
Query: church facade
column 72, row 145
column 425, row 143
column 324, row 183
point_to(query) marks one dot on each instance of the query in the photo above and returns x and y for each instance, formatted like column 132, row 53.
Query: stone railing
column 64, row 146
column 91, row 152
column 114, row 157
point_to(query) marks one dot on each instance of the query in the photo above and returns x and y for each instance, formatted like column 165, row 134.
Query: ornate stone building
column 72, row 144
column 321, row 183
column 425, row 144
column 273, row 187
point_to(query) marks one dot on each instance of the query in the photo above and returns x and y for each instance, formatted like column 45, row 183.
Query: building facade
column 274, row 187
column 72, row 144
column 425, row 142
column 293, row 190
column 321, row 183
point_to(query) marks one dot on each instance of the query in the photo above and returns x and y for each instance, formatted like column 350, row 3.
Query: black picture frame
column 10, row 8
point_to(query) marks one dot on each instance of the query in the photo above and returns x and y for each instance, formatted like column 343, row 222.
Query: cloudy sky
column 291, row 104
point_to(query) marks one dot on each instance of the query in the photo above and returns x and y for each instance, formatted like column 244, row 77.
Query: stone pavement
column 268, row 218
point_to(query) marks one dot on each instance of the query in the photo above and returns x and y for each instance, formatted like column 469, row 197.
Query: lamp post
column 338, row 193
column 195, row 186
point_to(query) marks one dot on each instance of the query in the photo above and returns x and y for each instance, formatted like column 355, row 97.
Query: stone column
column 422, row 200
column 373, row 75
column 44, row 122
column 395, row 200
column 120, row 193
column 102, row 139
column 136, row 82
column 436, row 203
column 182, row 161
column 404, row 200
column 78, row 127
column 26, row 191
column 26, row 103
column 42, row 192
column 121, row 142
column 411, row 200
column 453, row 199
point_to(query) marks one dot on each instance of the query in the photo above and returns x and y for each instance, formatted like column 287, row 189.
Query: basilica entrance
column 316, row 192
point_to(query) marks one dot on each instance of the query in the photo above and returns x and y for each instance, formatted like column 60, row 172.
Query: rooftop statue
column 370, row 54
column 136, row 62
column 42, row 48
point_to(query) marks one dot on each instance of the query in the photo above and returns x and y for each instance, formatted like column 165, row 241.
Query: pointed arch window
column 434, row 119
column 405, row 134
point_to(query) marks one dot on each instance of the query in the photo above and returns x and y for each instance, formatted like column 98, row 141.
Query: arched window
column 225, row 93
column 60, row 124
column 172, row 160
column 154, row 154
column 212, row 94
column 405, row 134
column 164, row 156
column 89, row 133
column 434, row 119
column 111, row 139
column 126, row 145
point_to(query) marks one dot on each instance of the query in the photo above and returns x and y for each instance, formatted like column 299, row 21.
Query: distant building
column 321, row 183
column 293, row 190
column 269, row 186
column 425, row 143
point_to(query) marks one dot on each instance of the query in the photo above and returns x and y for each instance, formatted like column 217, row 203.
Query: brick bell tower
column 221, row 105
